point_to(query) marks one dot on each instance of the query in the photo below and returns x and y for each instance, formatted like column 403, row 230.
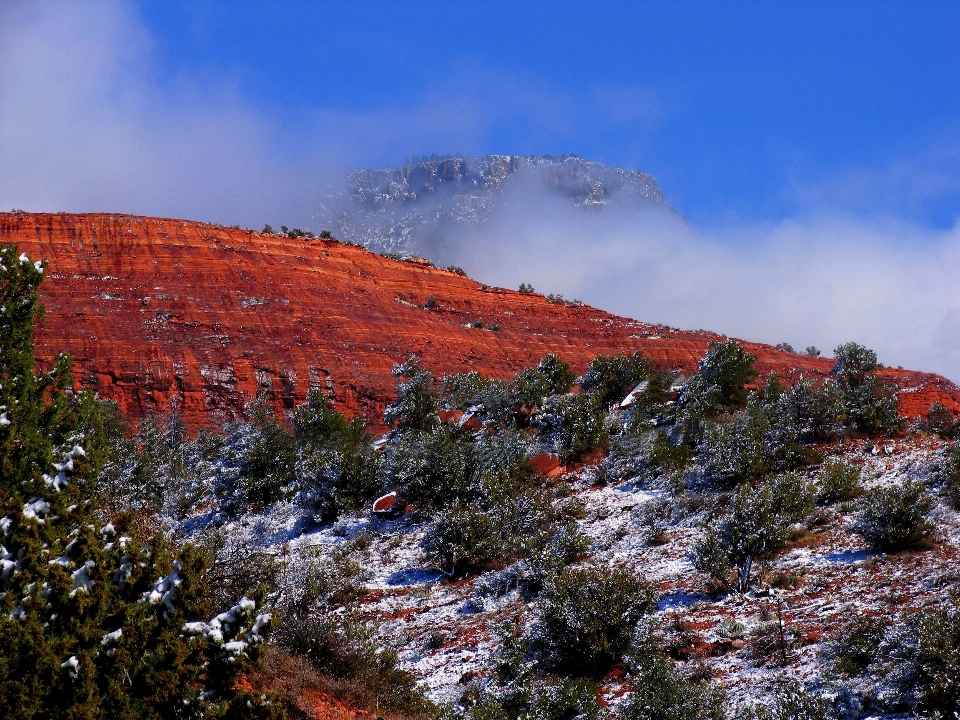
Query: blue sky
column 813, row 148
column 742, row 110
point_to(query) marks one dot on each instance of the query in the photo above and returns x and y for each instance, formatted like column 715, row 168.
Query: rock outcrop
column 421, row 207
column 164, row 315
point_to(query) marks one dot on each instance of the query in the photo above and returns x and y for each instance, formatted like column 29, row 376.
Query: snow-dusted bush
column 839, row 482
column 756, row 527
column 416, row 405
column 940, row 421
column 501, row 523
column 551, row 376
column 434, row 468
column 818, row 409
column 951, row 484
column 570, row 424
column 587, row 618
column 896, row 517
column 337, row 468
column 95, row 622
column 662, row 692
column 913, row 665
column 790, row 701
column 868, row 401
column 563, row 699
column 610, row 377
column 722, row 377
column 493, row 400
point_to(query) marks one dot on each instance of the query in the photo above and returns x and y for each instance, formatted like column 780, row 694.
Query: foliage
column 661, row 692
column 610, row 377
column 95, row 623
column 436, row 468
column 856, row 646
column 869, row 403
column 754, row 530
column 895, row 517
column 587, row 617
column 728, row 368
column 572, row 424
column 763, row 438
column 500, row 523
column 416, row 405
column 941, row 421
column 492, row 399
column 791, row 701
column 839, row 482
column 337, row 468
column 914, row 664
column 952, row 481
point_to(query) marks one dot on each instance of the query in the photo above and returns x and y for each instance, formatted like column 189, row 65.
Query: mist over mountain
column 426, row 207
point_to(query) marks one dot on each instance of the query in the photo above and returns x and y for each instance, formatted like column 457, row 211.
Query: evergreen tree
column 94, row 623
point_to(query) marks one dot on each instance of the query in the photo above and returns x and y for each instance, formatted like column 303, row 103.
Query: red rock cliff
column 169, row 314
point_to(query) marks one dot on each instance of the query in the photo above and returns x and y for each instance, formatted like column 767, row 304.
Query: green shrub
column 565, row 699
column 951, row 486
column 416, row 405
column 434, row 469
column 587, row 618
column 729, row 368
column 661, row 692
column 755, row 529
column 936, row 663
column 941, row 421
column 895, row 518
column 856, row 645
column 560, row 378
column 610, row 377
column 839, row 482
column 500, row 524
column 790, row 701
column 793, row 497
column 87, row 628
column 353, row 666
column 869, row 403
column 337, row 468
column 912, row 665
column 665, row 456
column 573, row 424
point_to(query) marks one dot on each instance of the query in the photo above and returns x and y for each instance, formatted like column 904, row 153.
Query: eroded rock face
column 164, row 315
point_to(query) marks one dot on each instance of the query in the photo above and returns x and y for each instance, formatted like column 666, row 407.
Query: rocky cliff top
column 418, row 206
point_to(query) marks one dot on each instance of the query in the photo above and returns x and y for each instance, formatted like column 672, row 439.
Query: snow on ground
column 445, row 631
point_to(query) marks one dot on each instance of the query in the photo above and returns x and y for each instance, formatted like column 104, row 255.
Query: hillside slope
column 163, row 314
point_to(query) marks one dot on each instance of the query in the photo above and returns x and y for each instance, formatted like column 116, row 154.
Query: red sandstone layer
column 169, row 314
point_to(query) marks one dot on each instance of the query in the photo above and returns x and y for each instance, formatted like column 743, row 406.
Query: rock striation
column 164, row 314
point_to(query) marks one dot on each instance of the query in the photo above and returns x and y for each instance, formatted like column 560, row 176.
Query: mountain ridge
column 421, row 207
column 165, row 314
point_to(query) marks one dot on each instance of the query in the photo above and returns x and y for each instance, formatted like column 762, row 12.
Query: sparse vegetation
column 587, row 618
column 895, row 517
column 839, row 482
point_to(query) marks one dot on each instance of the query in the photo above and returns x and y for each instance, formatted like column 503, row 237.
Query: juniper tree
column 610, row 377
column 94, row 623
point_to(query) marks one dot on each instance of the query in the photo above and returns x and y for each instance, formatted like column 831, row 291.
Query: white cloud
column 818, row 280
column 85, row 125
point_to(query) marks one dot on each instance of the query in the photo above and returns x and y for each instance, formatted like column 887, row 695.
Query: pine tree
column 94, row 623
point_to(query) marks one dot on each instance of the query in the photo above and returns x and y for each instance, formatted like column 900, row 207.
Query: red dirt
column 169, row 314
